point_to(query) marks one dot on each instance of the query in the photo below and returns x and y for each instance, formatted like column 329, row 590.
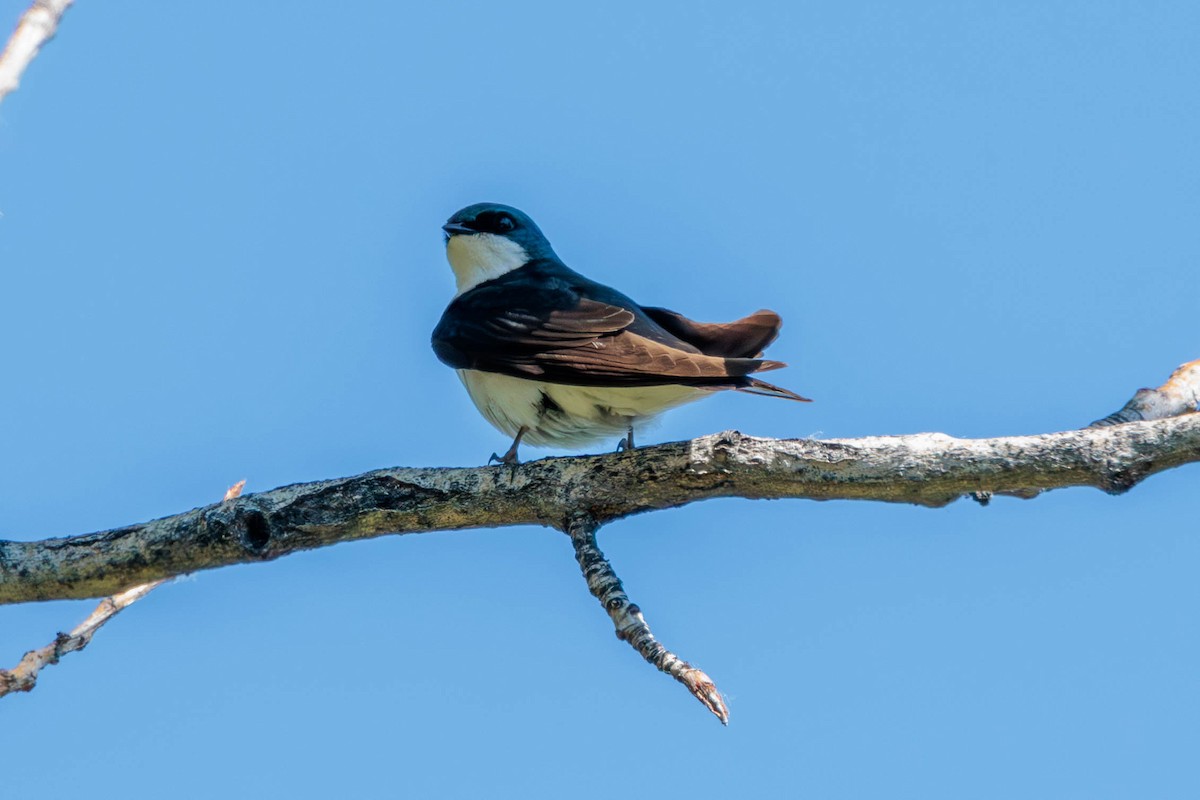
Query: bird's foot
column 626, row 444
column 510, row 456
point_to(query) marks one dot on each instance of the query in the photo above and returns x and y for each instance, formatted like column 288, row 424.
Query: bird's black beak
column 453, row 228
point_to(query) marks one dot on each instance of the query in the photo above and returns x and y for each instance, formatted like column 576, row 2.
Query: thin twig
column 627, row 618
column 23, row 677
column 36, row 27
column 1179, row 395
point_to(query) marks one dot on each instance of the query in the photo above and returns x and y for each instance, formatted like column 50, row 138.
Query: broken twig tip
column 703, row 689
column 630, row 624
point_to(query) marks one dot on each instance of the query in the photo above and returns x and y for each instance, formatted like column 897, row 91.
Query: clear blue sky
column 222, row 260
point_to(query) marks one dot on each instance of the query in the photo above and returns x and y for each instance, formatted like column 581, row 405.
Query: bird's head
column 486, row 240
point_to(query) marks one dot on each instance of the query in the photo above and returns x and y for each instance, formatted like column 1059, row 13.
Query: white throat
column 479, row 257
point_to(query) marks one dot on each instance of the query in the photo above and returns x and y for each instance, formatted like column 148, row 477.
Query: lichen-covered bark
column 927, row 469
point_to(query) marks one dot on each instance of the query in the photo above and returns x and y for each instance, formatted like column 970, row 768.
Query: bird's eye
column 495, row 222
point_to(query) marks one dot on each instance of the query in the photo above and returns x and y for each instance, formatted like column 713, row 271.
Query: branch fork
column 23, row 677
column 1155, row 431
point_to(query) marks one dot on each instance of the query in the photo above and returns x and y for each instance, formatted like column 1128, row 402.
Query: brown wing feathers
column 743, row 338
column 641, row 360
column 556, row 332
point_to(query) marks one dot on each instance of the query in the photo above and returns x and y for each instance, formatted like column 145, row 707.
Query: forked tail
column 755, row 386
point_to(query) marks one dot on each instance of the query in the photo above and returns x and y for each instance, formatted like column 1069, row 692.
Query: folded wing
column 551, row 331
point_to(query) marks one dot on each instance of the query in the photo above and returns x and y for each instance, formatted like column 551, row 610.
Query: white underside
column 576, row 415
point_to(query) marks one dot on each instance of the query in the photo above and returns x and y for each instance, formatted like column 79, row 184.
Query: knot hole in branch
column 257, row 533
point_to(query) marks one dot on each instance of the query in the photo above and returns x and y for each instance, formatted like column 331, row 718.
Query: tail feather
column 743, row 338
column 755, row 386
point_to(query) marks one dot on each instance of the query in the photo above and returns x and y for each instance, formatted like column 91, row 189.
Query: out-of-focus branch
column 36, row 27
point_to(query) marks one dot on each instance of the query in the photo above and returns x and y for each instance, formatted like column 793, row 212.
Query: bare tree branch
column 23, row 677
column 1154, row 431
column 929, row 469
column 578, row 495
column 630, row 625
column 1179, row 395
column 36, row 27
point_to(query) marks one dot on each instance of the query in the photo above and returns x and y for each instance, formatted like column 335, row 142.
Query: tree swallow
column 554, row 359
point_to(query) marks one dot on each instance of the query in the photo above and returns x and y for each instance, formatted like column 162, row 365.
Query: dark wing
column 743, row 338
column 557, row 326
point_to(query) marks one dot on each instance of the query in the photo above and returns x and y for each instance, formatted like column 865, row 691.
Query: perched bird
column 552, row 358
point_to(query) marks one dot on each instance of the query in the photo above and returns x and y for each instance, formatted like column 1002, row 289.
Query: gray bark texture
column 926, row 469
column 1157, row 429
